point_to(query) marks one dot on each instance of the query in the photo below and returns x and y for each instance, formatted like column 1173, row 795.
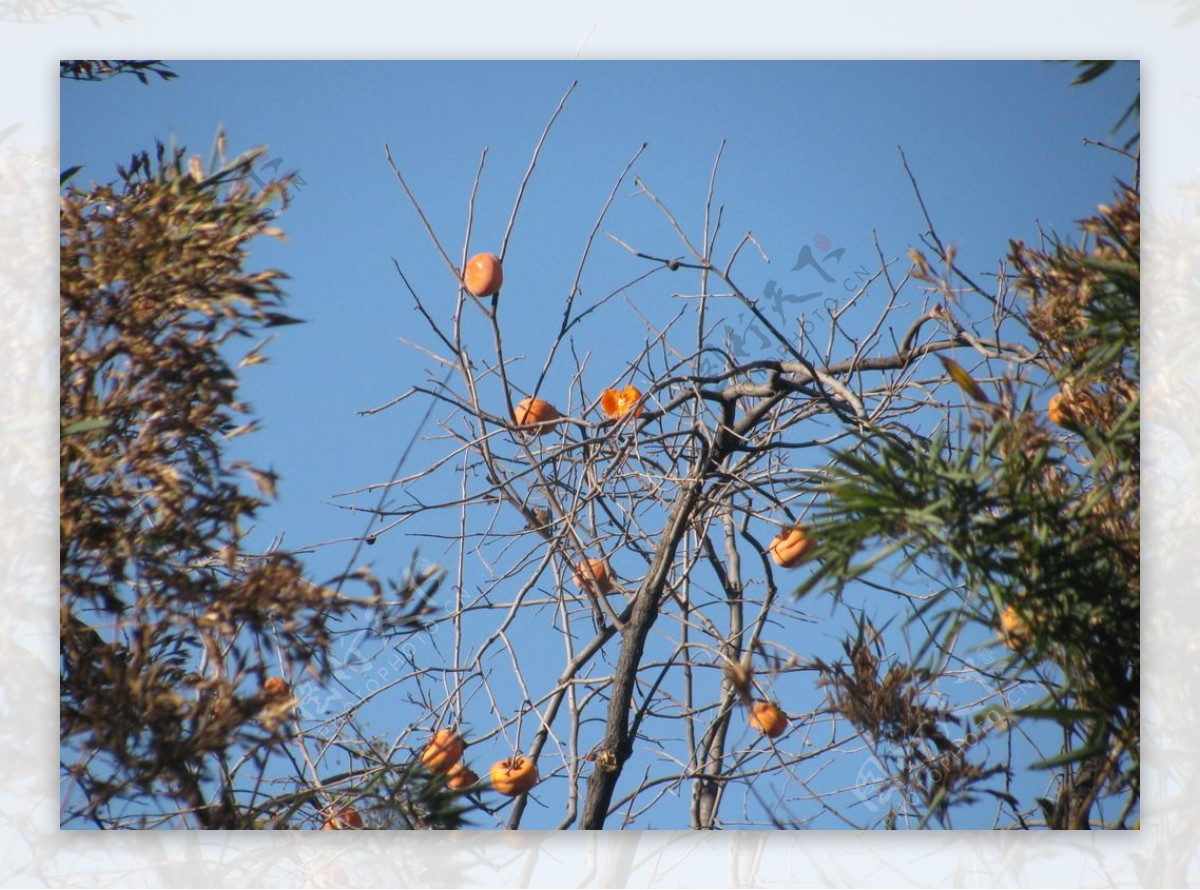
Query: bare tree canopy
column 881, row 573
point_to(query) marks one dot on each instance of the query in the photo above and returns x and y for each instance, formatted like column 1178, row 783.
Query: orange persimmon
column 768, row 719
column 1057, row 410
column 443, row 751
column 594, row 574
column 616, row 402
column 484, row 274
column 343, row 819
column 460, row 777
column 1013, row 628
column 1073, row 408
column 514, row 775
column 531, row 411
column 791, row 546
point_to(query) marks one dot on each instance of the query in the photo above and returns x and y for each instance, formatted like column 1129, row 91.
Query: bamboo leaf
column 964, row 380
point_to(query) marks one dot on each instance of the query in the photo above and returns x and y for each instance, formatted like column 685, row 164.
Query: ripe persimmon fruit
column 514, row 776
column 461, row 777
column 531, row 411
column 768, row 719
column 791, row 546
column 443, row 751
column 484, row 274
column 343, row 819
column 594, row 574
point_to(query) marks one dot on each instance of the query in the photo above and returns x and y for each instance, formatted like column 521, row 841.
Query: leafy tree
column 175, row 640
column 1029, row 518
column 1031, row 530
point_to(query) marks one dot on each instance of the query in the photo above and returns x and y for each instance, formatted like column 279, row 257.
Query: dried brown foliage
column 167, row 627
column 892, row 705
column 1068, row 288
column 889, row 706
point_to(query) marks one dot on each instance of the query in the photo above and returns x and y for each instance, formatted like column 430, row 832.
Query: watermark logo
column 366, row 661
column 821, row 273
column 873, row 786
column 816, row 266
column 361, row 666
column 271, row 169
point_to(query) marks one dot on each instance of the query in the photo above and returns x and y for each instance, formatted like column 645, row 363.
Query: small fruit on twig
column 539, row 415
column 343, row 819
column 768, row 719
column 443, row 751
column 791, row 546
column 461, row 777
column 1014, row 628
column 514, row 775
column 594, row 574
column 484, row 274
column 1073, row 408
column 617, row 402
column 1057, row 410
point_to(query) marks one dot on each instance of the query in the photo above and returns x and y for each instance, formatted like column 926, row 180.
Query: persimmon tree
column 614, row 609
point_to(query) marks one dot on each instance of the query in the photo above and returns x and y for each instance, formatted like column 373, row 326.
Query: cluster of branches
column 1039, row 526
column 174, row 637
column 635, row 541
column 989, row 507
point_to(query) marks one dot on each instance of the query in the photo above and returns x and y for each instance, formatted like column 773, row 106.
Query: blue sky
column 811, row 157
column 811, row 149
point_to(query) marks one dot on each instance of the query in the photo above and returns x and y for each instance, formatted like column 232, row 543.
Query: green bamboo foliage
column 1029, row 516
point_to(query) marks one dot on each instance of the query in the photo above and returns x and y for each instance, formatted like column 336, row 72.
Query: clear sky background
column 811, row 150
column 811, row 160
column 319, row 378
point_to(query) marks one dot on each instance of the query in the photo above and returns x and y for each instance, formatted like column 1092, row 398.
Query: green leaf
column 1090, row 70
column 86, row 426
column 1062, row 715
column 1073, row 756
column 964, row 380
